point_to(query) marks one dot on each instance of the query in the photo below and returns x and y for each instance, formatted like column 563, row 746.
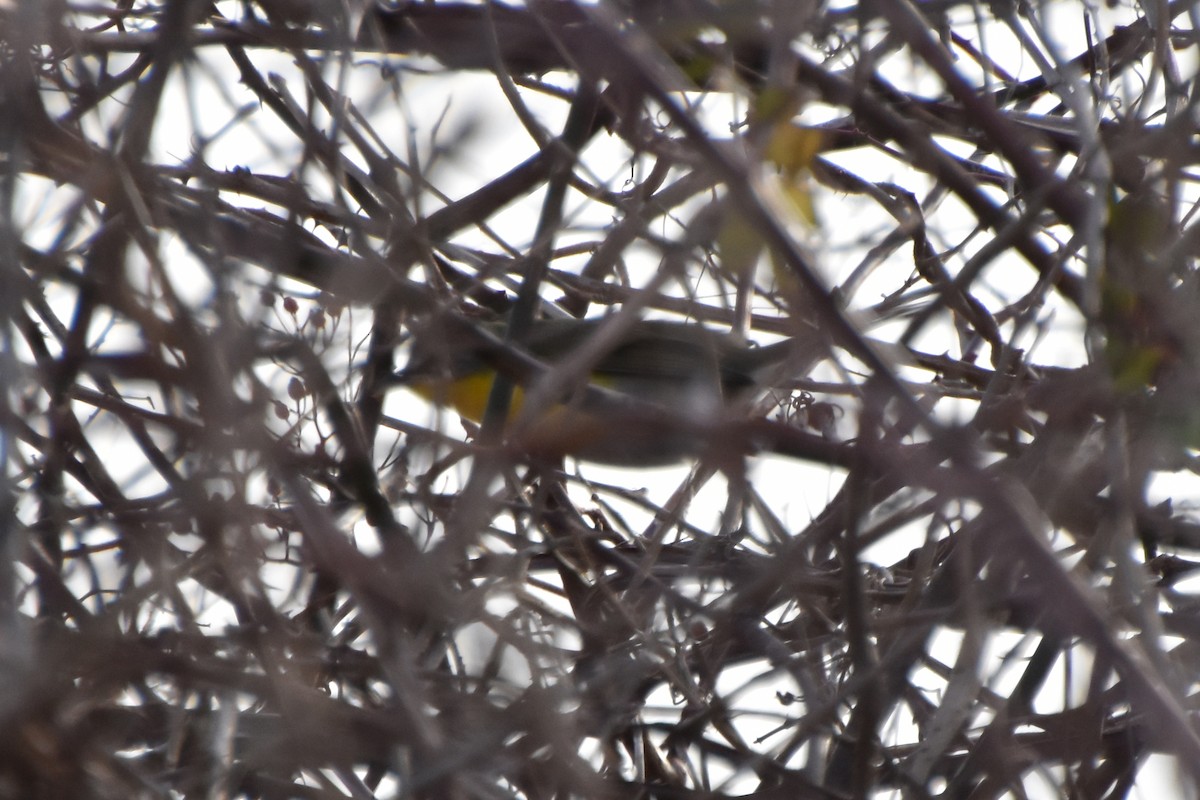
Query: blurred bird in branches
column 648, row 399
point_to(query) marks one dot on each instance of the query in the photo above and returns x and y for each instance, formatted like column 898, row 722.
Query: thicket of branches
column 950, row 557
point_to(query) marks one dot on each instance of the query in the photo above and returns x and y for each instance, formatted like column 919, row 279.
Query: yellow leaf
column 792, row 147
column 738, row 243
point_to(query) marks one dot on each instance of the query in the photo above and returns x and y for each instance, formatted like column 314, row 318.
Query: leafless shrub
column 949, row 553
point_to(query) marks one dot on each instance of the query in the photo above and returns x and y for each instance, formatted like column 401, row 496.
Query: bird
column 648, row 400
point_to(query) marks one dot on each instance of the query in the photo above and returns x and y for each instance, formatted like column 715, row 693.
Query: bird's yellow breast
column 468, row 395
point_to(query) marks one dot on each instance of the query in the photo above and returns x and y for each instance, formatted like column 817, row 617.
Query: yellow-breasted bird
column 648, row 401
